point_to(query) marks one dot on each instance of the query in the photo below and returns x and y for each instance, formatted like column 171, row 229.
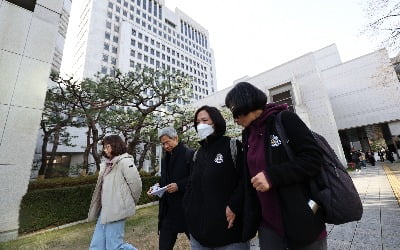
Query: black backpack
column 333, row 188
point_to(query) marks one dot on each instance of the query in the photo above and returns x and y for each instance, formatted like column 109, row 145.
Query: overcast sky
column 251, row 36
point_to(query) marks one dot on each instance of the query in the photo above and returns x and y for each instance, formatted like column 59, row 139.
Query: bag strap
column 282, row 135
column 233, row 146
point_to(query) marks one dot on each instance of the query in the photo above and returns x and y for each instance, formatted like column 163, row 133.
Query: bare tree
column 385, row 22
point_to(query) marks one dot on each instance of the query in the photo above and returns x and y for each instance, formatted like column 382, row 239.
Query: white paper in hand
column 156, row 190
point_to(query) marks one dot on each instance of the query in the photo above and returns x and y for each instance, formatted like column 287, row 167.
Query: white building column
column 26, row 52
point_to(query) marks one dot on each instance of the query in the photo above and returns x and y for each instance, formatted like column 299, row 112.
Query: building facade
column 352, row 104
column 125, row 34
column 26, row 53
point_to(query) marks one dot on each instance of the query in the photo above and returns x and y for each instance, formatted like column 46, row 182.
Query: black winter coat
column 290, row 178
column 175, row 168
column 215, row 183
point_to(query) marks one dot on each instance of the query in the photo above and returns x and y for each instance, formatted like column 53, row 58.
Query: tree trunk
column 95, row 139
column 43, row 166
column 55, row 146
column 143, row 156
column 87, row 150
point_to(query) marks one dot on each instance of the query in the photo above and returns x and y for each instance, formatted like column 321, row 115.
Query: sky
column 252, row 36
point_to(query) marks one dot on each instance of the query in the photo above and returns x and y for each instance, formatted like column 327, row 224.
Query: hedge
column 43, row 208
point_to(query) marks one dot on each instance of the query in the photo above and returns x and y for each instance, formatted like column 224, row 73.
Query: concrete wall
column 309, row 94
column 26, row 52
column 364, row 91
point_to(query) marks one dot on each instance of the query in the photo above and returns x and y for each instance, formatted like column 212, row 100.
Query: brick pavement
column 379, row 228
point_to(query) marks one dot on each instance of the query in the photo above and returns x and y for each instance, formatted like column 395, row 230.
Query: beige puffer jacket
column 119, row 193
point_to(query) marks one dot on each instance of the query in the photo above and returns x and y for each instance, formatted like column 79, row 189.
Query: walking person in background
column 371, row 157
column 175, row 170
column 115, row 196
column 381, row 154
column 214, row 195
column 282, row 185
column 362, row 159
column 389, row 155
column 355, row 158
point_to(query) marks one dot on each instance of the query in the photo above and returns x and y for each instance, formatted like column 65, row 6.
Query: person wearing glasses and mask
column 214, row 194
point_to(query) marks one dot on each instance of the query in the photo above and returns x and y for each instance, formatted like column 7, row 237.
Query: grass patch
column 140, row 230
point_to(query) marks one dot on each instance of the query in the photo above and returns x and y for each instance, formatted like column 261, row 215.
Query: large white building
column 28, row 34
column 128, row 33
column 351, row 103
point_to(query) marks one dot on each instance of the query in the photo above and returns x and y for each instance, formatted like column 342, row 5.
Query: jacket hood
column 269, row 109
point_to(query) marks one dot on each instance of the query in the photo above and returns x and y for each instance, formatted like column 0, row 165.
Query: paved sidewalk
column 379, row 228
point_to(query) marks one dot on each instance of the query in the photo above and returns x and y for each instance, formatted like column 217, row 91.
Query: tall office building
column 129, row 33
column 61, row 35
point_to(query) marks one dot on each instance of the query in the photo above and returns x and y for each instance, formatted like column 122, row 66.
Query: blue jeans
column 109, row 236
column 195, row 245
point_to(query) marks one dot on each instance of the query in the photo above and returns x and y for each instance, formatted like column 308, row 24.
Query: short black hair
column 216, row 117
column 244, row 98
column 118, row 146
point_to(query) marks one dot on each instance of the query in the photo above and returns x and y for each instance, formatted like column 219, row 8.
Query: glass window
column 140, row 45
column 117, row 18
column 109, row 14
column 146, row 58
column 103, row 69
column 107, row 35
column 146, row 48
column 106, row 46
column 113, row 60
column 116, row 28
column 108, row 24
column 139, row 55
column 132, row 52
column 110, row 5
column 140, row 35
column 131, row 63
column 126, row 4
column 117, row 9
column 114, row 50
column 125, row 13
column 133, row 42
column 115, row 39
column 105, row 58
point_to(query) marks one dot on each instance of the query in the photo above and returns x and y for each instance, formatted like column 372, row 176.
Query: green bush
column 54, row 207
column 58, row 205
column 62, row 182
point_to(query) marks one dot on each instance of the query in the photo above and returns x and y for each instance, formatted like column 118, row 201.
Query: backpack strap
column 233, row 146
column 282, row 135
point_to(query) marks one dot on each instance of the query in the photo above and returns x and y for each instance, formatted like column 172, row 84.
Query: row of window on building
column 190, row 47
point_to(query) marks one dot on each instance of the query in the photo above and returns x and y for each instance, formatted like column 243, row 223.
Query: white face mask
column 204, row 130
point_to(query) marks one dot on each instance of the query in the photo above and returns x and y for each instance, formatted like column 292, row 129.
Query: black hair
column 216, row 117
column 118, row 146
column 244, row 98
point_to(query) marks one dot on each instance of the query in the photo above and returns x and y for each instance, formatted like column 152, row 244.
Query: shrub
column 49, row 204
column 62, row 182
column 54, row 207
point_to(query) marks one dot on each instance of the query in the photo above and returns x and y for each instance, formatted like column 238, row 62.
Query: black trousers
column 167, row 239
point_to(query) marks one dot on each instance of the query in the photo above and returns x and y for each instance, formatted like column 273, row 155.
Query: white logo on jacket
column 219, row 159
column 275, row 142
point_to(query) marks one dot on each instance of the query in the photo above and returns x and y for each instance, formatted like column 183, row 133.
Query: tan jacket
column 119, row 191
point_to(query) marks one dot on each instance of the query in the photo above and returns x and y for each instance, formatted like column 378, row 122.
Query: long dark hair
column 118, row 146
